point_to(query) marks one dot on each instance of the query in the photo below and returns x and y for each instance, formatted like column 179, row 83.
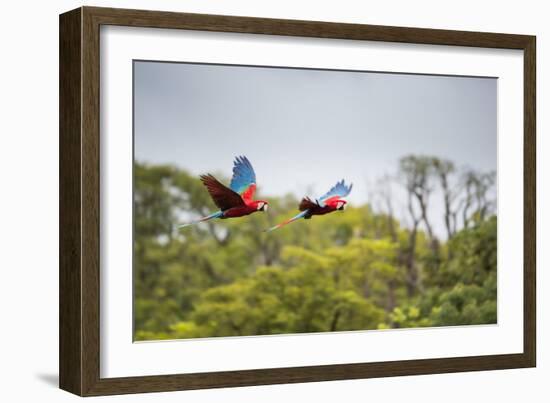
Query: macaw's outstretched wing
column 296, row 217
column 307, row 204
column 223, row 197
column 338, row 191
column 244, row 179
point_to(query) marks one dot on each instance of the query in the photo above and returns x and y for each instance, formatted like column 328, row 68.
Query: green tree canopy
column 361, row 269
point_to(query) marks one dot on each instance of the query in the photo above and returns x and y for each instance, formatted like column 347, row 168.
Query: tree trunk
column 410, row 264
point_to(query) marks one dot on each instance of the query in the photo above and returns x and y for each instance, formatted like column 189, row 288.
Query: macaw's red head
column 261, row 205
column 337, row 204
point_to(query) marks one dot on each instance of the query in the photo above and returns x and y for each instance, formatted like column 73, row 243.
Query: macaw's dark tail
column 217, row 214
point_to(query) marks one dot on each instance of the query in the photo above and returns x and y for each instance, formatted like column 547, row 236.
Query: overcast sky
column 305, row 129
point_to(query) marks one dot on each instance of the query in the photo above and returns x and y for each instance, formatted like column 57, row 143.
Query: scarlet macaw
column 237, row 199
column 329, row 202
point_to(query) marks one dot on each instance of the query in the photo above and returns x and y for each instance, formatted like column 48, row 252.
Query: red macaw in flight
column 237, row 199
column 329, row 202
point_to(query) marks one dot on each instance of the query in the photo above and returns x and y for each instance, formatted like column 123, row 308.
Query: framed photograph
column 248, row 201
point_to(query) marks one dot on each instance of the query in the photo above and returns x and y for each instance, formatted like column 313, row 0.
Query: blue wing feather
column 243, row 175
column 340, row 190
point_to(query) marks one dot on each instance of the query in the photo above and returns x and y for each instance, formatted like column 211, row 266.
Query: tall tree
column 444, row 169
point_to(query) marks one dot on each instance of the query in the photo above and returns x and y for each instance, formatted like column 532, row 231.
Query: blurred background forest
column 373, row 266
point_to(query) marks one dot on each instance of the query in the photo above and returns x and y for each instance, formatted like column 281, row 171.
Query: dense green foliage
column 354, row 270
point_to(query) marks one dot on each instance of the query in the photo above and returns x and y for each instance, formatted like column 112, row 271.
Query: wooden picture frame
column 79, row 201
